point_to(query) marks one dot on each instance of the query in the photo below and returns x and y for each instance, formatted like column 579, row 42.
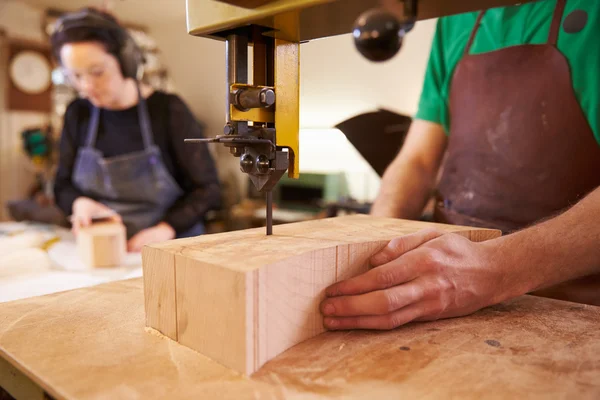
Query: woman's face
column 95, row 73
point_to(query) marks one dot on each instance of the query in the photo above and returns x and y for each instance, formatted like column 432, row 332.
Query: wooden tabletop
column 91, row 344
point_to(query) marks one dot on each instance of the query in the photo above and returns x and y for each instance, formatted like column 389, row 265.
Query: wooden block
column 241, row 298
column 159, row 299
column 289, row 293
column 242, row 315
column 212, row 299
column 102, row 244
column 158, row 264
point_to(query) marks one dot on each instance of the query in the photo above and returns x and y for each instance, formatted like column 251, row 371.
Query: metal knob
column 247, row 163
column 378, row 34
column 262, row 164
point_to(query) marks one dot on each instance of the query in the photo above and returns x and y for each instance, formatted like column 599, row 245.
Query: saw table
column 91, row 344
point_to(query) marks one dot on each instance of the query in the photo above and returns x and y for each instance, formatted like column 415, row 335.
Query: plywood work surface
column 91, row 344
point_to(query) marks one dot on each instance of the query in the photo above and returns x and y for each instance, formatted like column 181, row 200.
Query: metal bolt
column 246, row 163
column 262, row 164
column 229, row 129
column 236, row 151
column 267, row 97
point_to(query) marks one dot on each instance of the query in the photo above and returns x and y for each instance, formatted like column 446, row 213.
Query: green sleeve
column 432, row 104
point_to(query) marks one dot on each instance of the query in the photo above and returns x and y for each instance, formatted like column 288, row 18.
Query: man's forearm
column 407, row 183
column 560, row 249
column 405, row 189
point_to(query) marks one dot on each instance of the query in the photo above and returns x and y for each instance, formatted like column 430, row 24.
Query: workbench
column 29, row 268
column 91, row 343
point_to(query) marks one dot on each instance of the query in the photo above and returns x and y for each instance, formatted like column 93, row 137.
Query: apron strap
column 556, row 20
column 474, row 32
column 145, row 125
column 146, row 128
column 554, row 28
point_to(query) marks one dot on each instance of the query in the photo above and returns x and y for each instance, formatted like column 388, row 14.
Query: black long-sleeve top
column 191, row 165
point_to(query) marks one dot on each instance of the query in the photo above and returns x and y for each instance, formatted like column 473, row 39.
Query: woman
column 122, row 150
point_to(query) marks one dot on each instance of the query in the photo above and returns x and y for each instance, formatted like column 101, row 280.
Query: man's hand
column 84, row 209
column 420, row 277
column 158, row 233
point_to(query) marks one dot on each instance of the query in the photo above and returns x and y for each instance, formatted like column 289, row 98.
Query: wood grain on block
column 159, row 298
column 102, row 244
column 289, row 296
column 211, row 307
column 158, row 264
column 361, row 228
column 223, row 294
column 243, row 297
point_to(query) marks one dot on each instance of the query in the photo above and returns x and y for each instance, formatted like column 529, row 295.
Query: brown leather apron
column 520, row 147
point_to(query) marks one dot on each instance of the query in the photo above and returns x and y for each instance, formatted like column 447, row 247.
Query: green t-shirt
column 509, row 26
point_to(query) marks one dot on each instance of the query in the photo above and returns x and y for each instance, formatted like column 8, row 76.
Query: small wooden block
column 102, row 244
column 242, row 298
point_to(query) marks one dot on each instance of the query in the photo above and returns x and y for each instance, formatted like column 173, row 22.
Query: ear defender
column 130, row 55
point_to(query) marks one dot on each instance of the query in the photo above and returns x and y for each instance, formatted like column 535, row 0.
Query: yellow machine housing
column 292, row 22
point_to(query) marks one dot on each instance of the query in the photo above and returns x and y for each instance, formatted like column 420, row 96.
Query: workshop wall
column 17, row 21
column 336, row 82
column 21, row 20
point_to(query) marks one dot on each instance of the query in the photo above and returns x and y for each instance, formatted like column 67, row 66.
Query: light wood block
column 102, row 244
column 159, row 299
column 241, row 298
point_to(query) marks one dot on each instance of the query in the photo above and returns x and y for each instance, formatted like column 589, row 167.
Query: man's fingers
column 375, row 279
column 380, row 302
column 398, row 246
column 383, row 322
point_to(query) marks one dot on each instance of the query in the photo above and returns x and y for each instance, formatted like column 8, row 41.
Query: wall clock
column 30, row 72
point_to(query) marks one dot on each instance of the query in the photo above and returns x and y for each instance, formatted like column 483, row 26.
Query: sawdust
column 154, row 332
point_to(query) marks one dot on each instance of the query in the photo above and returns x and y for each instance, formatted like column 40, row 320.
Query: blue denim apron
column 137, row 185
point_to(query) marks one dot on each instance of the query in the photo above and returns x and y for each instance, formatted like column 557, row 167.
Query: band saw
column 262, row 111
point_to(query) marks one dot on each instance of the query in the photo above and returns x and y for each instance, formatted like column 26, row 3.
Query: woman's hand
column 84, row 209
column 158, row 233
